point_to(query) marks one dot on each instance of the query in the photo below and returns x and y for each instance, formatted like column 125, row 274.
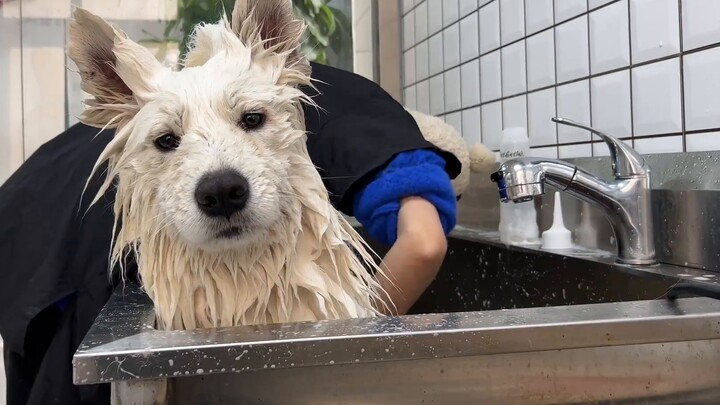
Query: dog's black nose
column 222, row 193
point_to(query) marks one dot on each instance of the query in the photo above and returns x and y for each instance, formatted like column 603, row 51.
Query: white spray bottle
column 518, row 221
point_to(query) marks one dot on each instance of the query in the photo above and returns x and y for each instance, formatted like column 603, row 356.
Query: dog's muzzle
column 222, row 193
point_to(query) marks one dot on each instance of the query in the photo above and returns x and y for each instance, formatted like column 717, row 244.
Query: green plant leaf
column 328, row 20
column 326, row 26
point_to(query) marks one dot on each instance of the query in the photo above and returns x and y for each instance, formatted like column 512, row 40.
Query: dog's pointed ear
column 118, row 73
column 272, row 23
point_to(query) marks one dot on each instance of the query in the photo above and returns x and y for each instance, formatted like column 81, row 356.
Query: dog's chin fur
column 296, row 257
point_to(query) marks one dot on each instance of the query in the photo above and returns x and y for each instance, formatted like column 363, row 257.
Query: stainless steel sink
column 499, row 325
column 489, row 276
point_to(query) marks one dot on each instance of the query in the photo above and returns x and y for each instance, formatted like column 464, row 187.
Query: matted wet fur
column 288, row 255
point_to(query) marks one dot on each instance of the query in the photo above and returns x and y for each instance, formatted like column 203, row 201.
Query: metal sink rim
column 123, row 345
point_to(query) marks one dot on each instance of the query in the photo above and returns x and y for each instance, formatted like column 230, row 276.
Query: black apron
column 52, row 246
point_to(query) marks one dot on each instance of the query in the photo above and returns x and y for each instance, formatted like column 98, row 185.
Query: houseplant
column 328, row 28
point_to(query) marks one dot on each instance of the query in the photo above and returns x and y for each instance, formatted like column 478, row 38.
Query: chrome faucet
column 625, row 201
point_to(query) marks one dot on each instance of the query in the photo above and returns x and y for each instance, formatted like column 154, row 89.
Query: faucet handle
column 626, row 162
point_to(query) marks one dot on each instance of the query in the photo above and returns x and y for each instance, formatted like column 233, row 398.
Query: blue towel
column 419, row 173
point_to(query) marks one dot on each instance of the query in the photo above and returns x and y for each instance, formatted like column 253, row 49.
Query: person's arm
column 415, row 258
column 410, row 205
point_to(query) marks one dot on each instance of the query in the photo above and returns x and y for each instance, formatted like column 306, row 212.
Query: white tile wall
column 451, row 37
column 421, row 21
column 512, row 20
column 644, row 70
column 541, row 60
column 469, row 34
column 702, row 142
column 471, row 126
column 410, row 97
column 700, row 23
column 610, row 101
column 656, row 98
column 514, row 80
column 538, row 15
column 455, row 119
column 422, row 61
column 702, row 89
column 423, row 96
column 571, row 58
column 452, row 89
column 515, row 112
column 435, row 17
column 597, row 3
column 541, row 107
column 665, row 144
column 467, row 6
column 492, row 125
column 451, row 11
column 565, row 9
column 654, row 29
column 408, row 23
column 437, row 95
column 435, row 48
column 489, row 27
column 550, row 152
column 573, row 102
column 409, row 66
column 574, row 151
column 609, row 38
column 490, row 77
column 470, row 82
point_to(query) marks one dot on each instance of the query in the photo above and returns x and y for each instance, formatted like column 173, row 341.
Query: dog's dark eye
column 167, row 142
column 252, row 120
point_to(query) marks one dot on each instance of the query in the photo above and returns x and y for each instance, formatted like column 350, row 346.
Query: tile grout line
column 403, row 68
column 683, row 123
column 527, row 87
column 479, row 76
column 592, row 147
column 630, row 75
column 460, row 18
column 555, row 80
column 502, row 89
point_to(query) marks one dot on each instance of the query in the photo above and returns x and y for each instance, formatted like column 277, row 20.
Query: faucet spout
column 626, row 162
column 626, row 201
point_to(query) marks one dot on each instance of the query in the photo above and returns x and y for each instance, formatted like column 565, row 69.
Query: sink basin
column 499, row 325
column 490, row 276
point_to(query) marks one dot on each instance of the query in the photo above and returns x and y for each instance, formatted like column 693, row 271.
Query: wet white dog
column 216, row 193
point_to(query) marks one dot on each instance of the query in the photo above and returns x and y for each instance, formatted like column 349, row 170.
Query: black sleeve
column 50, row 245
column 358, row 129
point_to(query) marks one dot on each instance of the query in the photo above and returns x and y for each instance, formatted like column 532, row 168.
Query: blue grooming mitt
column 419, row 173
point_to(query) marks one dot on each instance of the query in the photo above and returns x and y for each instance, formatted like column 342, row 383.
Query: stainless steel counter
column 626, row 347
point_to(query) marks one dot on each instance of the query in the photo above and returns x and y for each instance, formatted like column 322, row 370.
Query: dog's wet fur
column 216, row 194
